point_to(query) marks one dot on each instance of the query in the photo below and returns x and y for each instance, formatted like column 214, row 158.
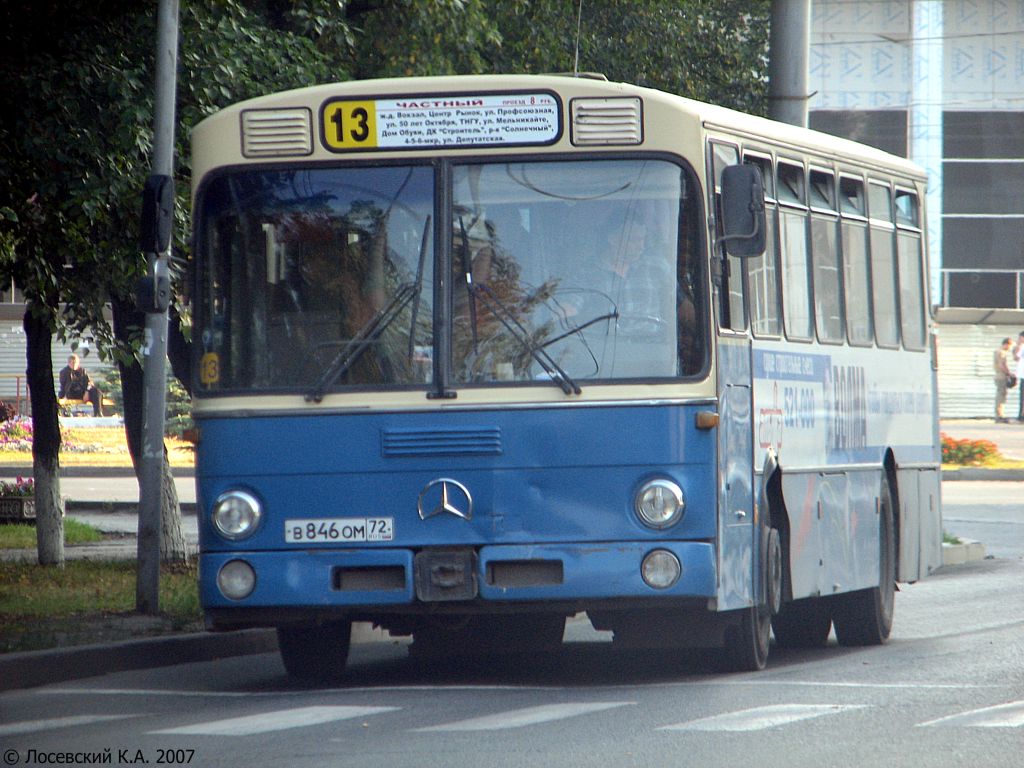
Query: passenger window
column 856, row 267
column 828, row 286
column 796, row 301
column 910, row 262
column 722, row 156
column 883, row 266
column 762, row 271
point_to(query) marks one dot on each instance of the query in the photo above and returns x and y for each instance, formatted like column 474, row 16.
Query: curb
column 966, row 551
column 30, row 669
column 33, row 668
column 977, row 473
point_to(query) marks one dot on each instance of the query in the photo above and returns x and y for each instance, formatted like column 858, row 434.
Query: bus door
column 736, row 524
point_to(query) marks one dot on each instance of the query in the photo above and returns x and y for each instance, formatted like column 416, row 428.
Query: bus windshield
column 571, row 271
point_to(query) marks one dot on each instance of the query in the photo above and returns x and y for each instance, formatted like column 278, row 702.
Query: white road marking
column 278, row 720
column 31, row 726
column 1000, row 716
column 760, row 718
column 517, row 718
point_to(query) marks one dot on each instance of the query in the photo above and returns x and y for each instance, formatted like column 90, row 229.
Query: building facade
column 942, row 82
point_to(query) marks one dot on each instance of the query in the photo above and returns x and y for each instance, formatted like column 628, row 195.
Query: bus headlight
column 236, row 515
column 659, row 503
column 236, row 580
column 660, row 569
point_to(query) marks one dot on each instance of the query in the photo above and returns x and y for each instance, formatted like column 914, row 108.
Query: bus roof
column 715, row 118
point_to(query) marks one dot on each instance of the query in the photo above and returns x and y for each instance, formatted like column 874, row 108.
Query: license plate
column 339, row 529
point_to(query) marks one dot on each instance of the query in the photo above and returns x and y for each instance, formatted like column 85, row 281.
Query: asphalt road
column 947, row 690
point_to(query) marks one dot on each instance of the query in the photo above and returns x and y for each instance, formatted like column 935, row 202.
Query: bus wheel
column 315, row 652
column 803, row 624
column 746, row 642
column 864, row 617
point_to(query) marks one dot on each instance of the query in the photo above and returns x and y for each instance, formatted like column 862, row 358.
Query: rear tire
column 315, row 652
column 865, row 617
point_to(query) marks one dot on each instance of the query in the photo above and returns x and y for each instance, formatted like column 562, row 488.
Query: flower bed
column 967, row 452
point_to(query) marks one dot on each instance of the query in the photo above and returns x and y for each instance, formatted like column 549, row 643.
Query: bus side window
column 883, row 265
column 910, row 269
column 796, row 294
column 722, row 156
column 828, row 288
column 762, row 271
column 856, row 269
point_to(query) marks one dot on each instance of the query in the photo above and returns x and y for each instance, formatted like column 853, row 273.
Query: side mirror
column 743, row 223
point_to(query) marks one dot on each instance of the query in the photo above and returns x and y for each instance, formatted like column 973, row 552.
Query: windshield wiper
column 497, row 308
column 362, row 341
column 475, row 290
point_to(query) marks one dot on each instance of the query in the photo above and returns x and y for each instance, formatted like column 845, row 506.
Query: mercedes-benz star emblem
column 445, row 495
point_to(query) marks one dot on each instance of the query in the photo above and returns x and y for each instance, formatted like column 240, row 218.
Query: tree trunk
column 45, row 439
column 173, row 548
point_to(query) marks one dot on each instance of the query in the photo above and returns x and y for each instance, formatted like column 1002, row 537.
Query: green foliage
column 179, row 409
column 23, row 536
column 88, row 601
column 713, row 50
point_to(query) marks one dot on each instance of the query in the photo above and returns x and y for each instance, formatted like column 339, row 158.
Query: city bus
column 477, row 354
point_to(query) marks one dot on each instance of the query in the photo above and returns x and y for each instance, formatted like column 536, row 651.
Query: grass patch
column 89, row 601
column 23, row 536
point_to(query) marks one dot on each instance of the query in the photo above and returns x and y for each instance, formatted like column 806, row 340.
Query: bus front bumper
column 363, row 578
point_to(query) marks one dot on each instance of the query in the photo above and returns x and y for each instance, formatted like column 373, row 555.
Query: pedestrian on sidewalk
column 1018, row 355
column 1000, row 366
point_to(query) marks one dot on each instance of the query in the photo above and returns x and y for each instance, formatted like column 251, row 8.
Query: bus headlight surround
column 236, row 580
column 660, row 569
column 236, row 515
column 659, row 503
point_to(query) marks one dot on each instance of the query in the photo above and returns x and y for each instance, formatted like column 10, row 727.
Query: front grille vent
column 468, row 441
column 607, row 121
column 277, row 132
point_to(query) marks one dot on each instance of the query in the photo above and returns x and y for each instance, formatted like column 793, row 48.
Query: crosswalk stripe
column 31, row 726
column 760, row 718
column 1009, row 715
column 517, row 718
column 278, row 720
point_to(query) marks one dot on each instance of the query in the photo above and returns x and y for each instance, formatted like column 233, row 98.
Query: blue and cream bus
column 476, row 354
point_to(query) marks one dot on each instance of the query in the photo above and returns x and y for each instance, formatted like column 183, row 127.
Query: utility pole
column 154, row 298
column 788, row 41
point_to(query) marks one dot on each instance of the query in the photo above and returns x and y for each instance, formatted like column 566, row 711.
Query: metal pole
column 147, row 590
column 787, row 67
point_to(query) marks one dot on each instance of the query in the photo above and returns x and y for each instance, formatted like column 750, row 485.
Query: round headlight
column 661, row 569
column 236, row 515
column 236, row 580
column 659, row 503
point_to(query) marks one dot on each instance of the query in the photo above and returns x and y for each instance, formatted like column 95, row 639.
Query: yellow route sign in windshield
column 416, row 122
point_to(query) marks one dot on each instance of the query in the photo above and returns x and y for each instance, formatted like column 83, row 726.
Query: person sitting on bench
column 75, row 384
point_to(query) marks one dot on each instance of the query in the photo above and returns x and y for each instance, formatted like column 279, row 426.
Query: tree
column 74, row 143
column 713, row 50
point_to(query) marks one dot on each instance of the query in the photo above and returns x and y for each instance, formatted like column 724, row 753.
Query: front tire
column 865, row 617
column 315, row 652
column 746, row 642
